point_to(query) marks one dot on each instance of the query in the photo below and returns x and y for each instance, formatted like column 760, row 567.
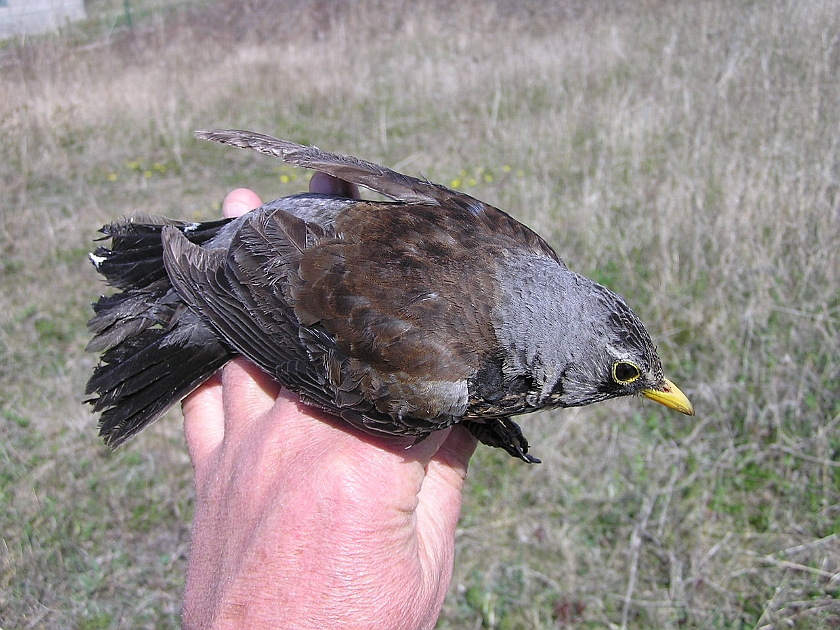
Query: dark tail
column 154, row 349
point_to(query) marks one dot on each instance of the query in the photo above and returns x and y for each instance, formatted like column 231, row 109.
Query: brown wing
column 316, row 312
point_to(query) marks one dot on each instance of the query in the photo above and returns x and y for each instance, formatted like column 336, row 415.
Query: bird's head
column 612, row 355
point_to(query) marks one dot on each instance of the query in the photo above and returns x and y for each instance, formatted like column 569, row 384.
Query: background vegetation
column 685, row 153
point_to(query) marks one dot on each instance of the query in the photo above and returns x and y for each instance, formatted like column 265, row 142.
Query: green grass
column 683, row 153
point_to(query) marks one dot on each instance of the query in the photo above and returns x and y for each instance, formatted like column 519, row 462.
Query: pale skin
column 303, row 522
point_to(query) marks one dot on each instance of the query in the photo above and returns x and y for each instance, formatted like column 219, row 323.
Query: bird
column 401, row 316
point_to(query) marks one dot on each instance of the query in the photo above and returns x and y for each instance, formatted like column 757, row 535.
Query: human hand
column 302, row 521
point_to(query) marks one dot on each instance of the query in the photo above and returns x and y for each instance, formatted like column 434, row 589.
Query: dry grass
column 684, row 153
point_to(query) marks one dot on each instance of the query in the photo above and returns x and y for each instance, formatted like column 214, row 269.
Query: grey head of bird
column 578, row 342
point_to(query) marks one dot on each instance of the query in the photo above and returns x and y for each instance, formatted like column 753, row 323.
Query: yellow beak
column 672, row 397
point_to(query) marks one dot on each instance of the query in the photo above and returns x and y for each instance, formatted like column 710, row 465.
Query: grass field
column 683, row 153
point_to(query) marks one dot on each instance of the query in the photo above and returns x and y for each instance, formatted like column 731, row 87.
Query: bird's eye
column 624, row 372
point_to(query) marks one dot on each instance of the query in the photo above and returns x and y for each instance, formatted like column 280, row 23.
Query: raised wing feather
column 384, row 181
column 373, row 176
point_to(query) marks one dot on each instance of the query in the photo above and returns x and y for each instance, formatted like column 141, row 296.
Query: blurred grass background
column 683, row 153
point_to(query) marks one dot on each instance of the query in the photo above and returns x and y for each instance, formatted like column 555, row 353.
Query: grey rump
column 400, row 317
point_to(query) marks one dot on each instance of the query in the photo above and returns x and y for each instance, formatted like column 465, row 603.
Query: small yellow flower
column 472, row 181
column 455, row 183
column 285, row 178
column 507, row 168
column 112, row 177
column 147, row 174
column 488, row 178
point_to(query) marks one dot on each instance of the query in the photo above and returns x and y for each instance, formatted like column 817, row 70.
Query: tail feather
column 125, row 315
column 134, row 258
column 154, row 349
column 138, row 383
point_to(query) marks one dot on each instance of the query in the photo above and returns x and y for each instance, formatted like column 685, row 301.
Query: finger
column 456, row 451
column 439, row 499
column 239, row 201
column 324, row 184
column 204, row 422
column 439, row 508
column 249, row 393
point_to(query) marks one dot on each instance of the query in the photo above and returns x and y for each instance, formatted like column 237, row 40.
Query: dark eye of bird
column 625, row 373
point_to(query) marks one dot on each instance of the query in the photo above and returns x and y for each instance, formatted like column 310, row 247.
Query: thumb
column 239, row 201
